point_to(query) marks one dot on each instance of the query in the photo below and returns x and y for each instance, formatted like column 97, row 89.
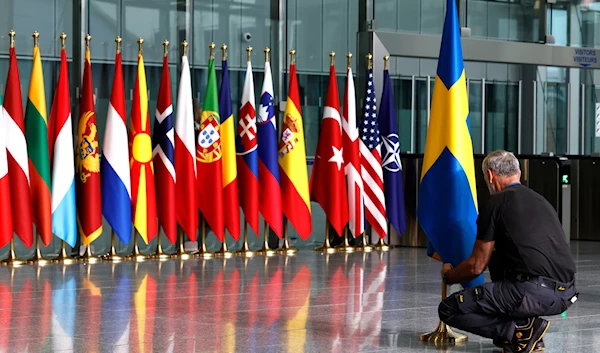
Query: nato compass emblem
column 391, row 161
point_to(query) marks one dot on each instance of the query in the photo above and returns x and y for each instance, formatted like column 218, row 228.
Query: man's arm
column 474, row 265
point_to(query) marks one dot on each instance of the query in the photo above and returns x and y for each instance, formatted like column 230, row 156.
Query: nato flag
column 393, row 184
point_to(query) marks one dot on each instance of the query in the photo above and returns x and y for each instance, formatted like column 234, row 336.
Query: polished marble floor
column 311, row 302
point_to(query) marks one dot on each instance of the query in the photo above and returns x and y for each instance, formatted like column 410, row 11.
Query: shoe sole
column 540, row 338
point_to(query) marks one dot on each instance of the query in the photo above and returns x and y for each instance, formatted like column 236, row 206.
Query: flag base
column 181, row 252
column 12, row 259
column 326, row 248
column 88, row 256
column 443, row 336
column 224, row 252
column 63, row 257
column 38, row 258
column 266, row 250
column 287, row 249
column 111, row 255
column 382, row 246
column 246, row 251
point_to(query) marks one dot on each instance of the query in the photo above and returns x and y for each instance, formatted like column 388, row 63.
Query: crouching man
column 520, row 238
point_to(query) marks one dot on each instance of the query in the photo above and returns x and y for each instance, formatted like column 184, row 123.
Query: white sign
column 597, row 125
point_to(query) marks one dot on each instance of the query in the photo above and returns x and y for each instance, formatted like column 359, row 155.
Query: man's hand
column 445, row 268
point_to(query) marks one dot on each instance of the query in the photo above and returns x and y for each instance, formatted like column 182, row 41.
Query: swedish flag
column 447, row 208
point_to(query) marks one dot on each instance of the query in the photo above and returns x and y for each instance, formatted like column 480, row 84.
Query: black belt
column 543, row 282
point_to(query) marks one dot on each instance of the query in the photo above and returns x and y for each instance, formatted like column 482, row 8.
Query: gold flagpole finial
column 87, row 42
column 118, row 40
column 267, row 51
column 36, row 36
column 184, row 44
column 212, row 51
column 349, row 56
column 12, row 35
column 369, row 61
column 331, row 58
column 63, row 38
column 140, row 42
column 224, row 50
column 386, row 62
column 293, row 57
column 166, row 45
column 249, row 50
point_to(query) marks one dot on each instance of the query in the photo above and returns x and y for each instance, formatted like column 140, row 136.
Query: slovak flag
column 247, row 154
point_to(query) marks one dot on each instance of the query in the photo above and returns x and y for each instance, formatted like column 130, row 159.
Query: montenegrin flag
column 6, row 228
column 185, row 162
column 64, row 213
column 89, row 201
column 447, row 207
column 36, row 128
column 143, row 194
column 208, row 157
column 16, row 147
column 163, row 156
column 292, row 162
column 231, row 203
column 115, row 175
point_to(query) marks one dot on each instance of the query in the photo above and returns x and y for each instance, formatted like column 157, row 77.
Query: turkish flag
column 328, row 180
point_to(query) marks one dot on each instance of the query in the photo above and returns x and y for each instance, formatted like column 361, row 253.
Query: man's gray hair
column 501, row 162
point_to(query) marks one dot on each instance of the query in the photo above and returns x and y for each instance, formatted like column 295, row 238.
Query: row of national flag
column 168, row 174
column 357, row 174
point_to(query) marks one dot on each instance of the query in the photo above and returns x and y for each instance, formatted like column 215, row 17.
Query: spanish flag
column 292, row 162
column 36, row 129
column 447, row 207
column 143, row 195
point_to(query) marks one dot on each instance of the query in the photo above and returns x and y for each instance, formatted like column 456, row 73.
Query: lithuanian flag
column 36, row 130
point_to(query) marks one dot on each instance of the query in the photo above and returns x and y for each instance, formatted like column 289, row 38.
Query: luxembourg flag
column 64, row 212
column 115, row 177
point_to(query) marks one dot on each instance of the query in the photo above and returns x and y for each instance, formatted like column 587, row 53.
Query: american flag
column 370, row 160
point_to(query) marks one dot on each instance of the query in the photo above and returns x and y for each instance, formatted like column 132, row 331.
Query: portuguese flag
column 36, row 130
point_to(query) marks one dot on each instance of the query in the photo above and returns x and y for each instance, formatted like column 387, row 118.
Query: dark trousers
column 493, row 309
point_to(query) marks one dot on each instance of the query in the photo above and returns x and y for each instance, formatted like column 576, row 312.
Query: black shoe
column 526, row 338
column 508, row 348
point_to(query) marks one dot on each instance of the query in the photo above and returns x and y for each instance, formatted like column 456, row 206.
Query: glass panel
column 556, row 120
column 422, row 105
column 402, row 101
column 475, row 94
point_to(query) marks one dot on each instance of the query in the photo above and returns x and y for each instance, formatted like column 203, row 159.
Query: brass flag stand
column 326, row 248
column 382, row 246
column 37, row 257
column 246, row 251
column 112, row 252
column 160, row 254
column 364, row 246
column 181, row 251
column 12, row 259
column 287, row 249
column 346, row 247
column 202, row 251
column 266, row 250
column 443, row 334
column 63, row 256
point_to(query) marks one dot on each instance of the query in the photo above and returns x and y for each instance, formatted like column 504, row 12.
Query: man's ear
column 490, row 176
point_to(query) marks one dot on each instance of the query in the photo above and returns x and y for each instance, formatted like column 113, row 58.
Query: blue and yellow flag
column 447, row 208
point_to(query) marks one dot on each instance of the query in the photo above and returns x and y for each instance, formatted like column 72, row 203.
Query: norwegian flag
column 163, row 156
column 370, row 160
column 352, row 159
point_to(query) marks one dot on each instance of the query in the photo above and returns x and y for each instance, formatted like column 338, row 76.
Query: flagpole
column 224, row 251
column 12, row 259
column 181, row 252
column 112, row 252
column 203, row 252
column 443, row 334
column 287, row 248
column 326, row 248
column 246, row 251
column 266, row 250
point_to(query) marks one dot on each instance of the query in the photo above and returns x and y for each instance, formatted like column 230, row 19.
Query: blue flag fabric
column 447, row 206
column 393, row 183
